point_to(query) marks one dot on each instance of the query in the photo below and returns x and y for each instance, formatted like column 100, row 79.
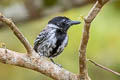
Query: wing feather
column 40, row 39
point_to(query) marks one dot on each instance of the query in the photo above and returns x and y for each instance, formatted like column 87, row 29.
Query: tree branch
column 85, row 37
column 37, row 63
column 103, row 67
column 17, row 32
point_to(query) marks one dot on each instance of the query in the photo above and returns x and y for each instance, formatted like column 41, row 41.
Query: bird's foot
column 56, row 63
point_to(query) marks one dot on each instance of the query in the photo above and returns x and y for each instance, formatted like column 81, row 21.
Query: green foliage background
column 103, row 46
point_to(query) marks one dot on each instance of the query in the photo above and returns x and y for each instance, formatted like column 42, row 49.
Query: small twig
column 103, row 67
column 17, row 32
column 85, row 37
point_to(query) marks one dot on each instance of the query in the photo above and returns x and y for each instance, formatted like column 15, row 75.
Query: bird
column 53, row 38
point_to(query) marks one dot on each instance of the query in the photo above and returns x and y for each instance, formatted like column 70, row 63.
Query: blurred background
column 31, row 16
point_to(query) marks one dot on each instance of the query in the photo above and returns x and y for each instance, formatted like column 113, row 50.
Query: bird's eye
column 63, row 24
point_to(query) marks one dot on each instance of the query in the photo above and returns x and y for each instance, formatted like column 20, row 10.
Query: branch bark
column 85, row 37
column 17, row 32
column 37, row 63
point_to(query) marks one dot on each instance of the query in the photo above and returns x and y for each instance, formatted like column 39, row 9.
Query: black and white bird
column 53, row 38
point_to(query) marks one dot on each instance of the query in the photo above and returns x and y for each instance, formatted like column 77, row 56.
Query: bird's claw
column 56, row 63
column 59, row 65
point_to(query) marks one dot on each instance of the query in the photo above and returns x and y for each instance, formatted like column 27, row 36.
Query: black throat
column 60, row 36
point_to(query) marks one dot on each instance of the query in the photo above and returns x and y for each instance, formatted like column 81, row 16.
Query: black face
column 63, row 22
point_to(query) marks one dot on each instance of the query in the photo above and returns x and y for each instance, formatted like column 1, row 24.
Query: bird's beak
column 74, row 22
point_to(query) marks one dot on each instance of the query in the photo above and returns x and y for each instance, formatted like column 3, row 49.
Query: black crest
column 58, row 19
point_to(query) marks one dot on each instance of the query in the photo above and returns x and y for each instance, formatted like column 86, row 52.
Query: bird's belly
column 60, row 48
column 47, row 47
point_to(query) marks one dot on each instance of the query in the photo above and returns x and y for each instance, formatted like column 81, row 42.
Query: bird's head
column 63, row 23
